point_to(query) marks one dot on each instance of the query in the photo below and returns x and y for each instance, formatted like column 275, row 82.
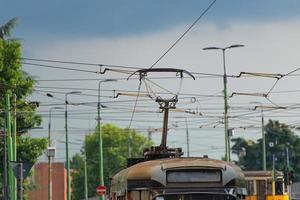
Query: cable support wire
column 153, row 78
column 82, row 63
column 134, row 108
column 116, row 91
column 87, row 103
column 178, row 40
column 101, row 71
column 78, row 70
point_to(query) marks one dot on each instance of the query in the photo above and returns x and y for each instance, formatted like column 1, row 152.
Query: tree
column 281, row 136
column 17, row 82
column 6, row 29
column 116, row 144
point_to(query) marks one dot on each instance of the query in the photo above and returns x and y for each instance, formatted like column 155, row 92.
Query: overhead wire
column 134, row 108
column 178, row 40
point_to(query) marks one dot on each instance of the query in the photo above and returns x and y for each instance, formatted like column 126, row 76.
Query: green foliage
column 6, row 29
column 29, row 149
column 116, row 143
column 16, row 82
column 13, row 80
column 282, row 137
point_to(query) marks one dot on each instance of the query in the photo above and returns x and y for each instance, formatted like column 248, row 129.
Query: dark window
column 195, row 197
column 194, row 176
column 278, row 188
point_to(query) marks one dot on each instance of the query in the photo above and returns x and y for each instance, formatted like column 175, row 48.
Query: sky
column 136, row 33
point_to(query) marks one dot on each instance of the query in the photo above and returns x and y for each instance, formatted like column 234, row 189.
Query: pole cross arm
column 267, row 75
column 143, row 72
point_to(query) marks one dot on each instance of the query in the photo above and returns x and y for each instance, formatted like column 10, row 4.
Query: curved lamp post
column 101, row 197
column 227, row 144
column 67, row 144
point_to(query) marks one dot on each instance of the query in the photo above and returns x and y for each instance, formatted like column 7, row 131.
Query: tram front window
column 195, row 197
column 278, row 188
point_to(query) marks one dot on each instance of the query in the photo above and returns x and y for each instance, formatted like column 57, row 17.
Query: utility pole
column 5, row 186
column 11, row 177
column 150, row 134
column 21, row 181
column 187, row 139
column 227, row 142
column 49, row 156
column 289, row 187
column 14, row 137
column 85, row 172
column 67, row 144
column 101, row 197
column 263, row 136
column 263, row 140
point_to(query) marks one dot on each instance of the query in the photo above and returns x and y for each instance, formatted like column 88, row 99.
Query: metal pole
column 263, row 140
column 289, row 187
column 67, row 149
column 21, row 180
column 12, row 189
column 129, row 143
column 187, row 139
column 85, row 173
column 165, row 126
column 14, row 138
column 5, row 191
column 227, row 147
column 149, row 134
column 227, row 143
column 101, row 197
column 273, row 171
column 49, row 159
column 101, row 176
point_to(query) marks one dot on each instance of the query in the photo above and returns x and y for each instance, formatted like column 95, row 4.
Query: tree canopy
column 17, row 82
column 116, row 144
column 279, row 138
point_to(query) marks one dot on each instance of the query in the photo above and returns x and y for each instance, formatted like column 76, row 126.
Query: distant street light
column 100, row 135
column 227, row 143
column 67, row 144
column 50, row 156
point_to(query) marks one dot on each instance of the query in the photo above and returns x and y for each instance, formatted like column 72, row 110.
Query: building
column 59, row 183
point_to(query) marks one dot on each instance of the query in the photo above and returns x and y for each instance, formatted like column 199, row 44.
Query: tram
column 162, row 174
column 265, row 185
column 179, row 178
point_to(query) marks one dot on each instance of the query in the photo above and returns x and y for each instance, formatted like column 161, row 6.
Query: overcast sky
column 135, row 33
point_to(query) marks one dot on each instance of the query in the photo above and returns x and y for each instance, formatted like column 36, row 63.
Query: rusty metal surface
column 156, row 169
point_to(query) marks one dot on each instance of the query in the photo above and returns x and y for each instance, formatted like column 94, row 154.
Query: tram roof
column 146, row 170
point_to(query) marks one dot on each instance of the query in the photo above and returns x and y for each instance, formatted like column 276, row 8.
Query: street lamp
column 227, row 147
column 67, row 144
column 50, row 153
column 100, row 135
column 264, row 166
